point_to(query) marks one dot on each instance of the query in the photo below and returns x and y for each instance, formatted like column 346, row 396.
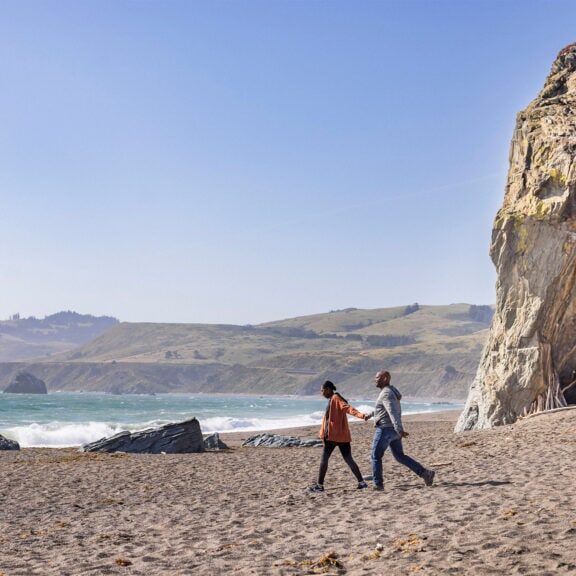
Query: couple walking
column 389, row 432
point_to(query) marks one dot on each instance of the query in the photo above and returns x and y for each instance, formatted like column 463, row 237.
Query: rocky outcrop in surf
column 26, row 383
column 529, row 362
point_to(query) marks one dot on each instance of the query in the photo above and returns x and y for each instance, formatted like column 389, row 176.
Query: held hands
column 367, row 417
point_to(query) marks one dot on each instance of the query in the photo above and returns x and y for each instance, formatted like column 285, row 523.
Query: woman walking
column 336, row 433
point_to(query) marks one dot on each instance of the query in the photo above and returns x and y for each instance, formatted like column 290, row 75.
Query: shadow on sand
column 456, row 484
column 484, row 483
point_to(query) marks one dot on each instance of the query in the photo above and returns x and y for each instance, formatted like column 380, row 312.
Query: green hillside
column 432, row 351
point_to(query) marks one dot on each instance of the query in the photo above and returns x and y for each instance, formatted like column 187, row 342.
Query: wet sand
column 504, row 502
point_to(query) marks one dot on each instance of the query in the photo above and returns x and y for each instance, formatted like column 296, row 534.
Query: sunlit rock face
column 529, row 361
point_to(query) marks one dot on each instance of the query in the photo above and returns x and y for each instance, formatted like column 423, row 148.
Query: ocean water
column 64, row 419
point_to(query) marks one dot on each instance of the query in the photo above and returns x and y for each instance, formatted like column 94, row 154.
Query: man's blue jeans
column 384, row 437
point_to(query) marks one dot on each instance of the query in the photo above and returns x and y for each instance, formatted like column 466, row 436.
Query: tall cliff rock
column 529, row 362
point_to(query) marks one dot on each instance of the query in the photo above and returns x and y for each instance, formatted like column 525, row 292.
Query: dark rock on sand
column 26, row 383
column 6, row 444
column 179, row 438
column 275, row 441
column 213, row 442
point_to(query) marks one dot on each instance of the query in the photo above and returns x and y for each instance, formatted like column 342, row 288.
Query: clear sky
column 250, row 160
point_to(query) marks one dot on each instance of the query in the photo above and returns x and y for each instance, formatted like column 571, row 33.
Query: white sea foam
column 229, row 424
column 365, row 408
column 59, row 435
column 67, row 434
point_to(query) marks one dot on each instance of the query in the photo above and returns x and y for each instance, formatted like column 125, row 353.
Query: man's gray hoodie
column 387, row 412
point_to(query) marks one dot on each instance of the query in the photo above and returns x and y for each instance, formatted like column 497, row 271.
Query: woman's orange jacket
column 336, row 428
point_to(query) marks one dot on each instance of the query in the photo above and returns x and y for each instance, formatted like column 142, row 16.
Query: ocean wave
column 69, row 434
column 365, row 408
column 59, row 435
column 229, row 424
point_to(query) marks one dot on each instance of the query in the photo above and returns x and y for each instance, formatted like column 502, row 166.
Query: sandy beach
column 504, row 502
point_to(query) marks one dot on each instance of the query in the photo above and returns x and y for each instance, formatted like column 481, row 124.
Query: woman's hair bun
column 330, row 385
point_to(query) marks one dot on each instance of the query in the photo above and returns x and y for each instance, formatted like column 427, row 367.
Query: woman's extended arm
column 345, row 407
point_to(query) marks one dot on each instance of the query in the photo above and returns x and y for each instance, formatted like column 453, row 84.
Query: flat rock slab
column 6, row 444
column 276, row 441
column 178, row 438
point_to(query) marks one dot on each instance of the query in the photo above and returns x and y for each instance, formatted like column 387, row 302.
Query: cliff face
column 529, row 361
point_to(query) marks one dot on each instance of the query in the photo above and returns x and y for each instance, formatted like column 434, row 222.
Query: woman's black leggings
column 346, row 452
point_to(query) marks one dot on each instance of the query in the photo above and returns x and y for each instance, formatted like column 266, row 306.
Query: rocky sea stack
column 529, row 362
column 26, row 383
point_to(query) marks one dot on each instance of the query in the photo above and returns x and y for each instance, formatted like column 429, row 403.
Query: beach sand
column 504, row 502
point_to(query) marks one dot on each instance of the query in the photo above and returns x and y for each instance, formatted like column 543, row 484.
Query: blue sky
column 244, row 161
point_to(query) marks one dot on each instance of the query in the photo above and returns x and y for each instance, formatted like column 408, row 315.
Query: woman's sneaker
column 316, row 488
column 362, row 485
column 378, row 488
column 428, row 477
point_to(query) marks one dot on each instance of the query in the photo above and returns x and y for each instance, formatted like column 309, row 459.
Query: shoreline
column 293, row 430
column 71, row 420
column 236, row 438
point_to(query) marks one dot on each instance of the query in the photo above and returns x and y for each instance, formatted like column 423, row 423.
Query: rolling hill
column 432, row 351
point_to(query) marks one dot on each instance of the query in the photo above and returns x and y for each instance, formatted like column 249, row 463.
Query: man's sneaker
column 316, row 488
column 428, row 477
column 362, row 485
column 378, row 488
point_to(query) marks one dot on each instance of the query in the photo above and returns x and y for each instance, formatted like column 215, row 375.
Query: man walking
column 389, row 432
